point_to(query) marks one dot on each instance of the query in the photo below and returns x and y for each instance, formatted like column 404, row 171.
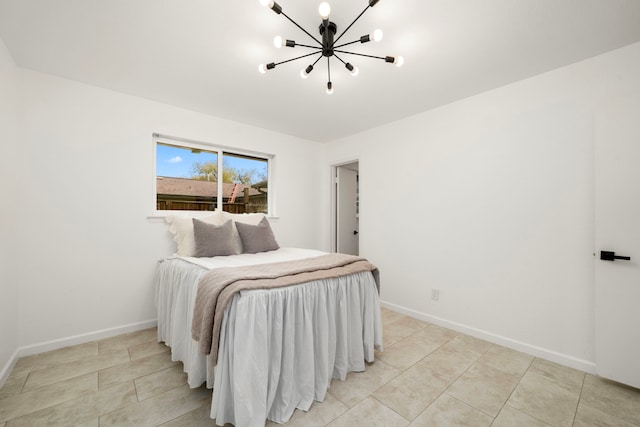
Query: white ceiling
column 203, row 54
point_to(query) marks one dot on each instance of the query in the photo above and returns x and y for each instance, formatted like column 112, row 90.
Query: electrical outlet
column 435, row 294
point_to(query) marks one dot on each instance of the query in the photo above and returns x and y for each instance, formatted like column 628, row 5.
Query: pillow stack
column 221, row 234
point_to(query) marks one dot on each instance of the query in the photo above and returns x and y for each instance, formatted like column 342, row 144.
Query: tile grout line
column 445, row 391
column 575, row 413
column 514, row 389
column 391, row 409
column 510, row 394
column 52, row 405
column 441, row 393
column 415, row 363
column 135, row 387
column 24, row 383
column 493, row 419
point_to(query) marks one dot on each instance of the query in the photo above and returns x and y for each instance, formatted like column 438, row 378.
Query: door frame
column 334, row 200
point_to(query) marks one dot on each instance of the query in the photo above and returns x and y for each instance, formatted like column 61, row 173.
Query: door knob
column 355, row 232
column 611, row 256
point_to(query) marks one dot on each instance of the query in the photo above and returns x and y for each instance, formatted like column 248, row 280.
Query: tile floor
column 427, row 376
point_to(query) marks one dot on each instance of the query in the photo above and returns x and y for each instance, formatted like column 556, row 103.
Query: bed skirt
column 279, row 348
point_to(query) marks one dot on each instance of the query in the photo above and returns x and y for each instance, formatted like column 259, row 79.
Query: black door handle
column 355, row 232
column 611, row 256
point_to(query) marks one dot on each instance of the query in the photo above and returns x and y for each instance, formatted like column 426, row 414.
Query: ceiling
column 203, row 54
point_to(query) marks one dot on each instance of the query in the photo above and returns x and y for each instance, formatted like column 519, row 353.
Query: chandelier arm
column 316, row 61
column 347, row 29
column 305, row 31
column 346, row 44
column 339, row 59
column 310, row 47
column 297, row 57
column 359, row 54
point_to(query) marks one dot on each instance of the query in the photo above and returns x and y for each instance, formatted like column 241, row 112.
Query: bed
column 278, row 349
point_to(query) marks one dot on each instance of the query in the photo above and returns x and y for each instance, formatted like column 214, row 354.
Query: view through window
column 195, row 178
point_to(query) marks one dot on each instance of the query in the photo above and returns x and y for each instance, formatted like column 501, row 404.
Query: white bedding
column 279, row 348
column 282, row 254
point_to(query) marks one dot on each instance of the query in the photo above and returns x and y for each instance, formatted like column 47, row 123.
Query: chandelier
column 326, row 47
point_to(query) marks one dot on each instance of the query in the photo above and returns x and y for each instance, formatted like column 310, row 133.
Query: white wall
column 490, row 200
column 89, row 250
column 9, row 194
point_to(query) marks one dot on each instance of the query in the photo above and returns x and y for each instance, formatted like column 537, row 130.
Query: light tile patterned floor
column 427, row 376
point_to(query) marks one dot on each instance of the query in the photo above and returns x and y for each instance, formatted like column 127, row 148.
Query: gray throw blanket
column 217, row 288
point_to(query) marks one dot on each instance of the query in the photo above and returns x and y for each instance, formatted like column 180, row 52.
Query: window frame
column 221, row 150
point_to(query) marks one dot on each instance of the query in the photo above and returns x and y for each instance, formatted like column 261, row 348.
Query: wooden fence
column 180, row 204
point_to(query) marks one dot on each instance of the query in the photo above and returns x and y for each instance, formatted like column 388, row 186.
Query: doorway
column 346, row 209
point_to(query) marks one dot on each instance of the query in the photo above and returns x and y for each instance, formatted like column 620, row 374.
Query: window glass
column 245, row 183
column 188, row 179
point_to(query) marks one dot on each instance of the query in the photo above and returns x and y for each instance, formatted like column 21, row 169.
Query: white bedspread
column 279, row 348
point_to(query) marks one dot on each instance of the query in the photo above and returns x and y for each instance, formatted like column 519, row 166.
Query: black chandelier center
column 327, row 31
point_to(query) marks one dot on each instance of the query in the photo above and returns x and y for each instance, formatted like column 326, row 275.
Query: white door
column 617, row 220
column 346, row 211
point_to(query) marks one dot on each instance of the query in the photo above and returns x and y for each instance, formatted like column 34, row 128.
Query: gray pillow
column 212, row 240
column 257, row 238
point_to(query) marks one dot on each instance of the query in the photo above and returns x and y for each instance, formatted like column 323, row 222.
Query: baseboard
column 84, row 338
column 6, row 370
column 553, row 356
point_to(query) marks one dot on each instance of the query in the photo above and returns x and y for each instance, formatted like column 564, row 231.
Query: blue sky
column 178, row 162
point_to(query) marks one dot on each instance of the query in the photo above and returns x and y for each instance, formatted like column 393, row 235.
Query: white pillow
column 181, row 227
column 251, row 219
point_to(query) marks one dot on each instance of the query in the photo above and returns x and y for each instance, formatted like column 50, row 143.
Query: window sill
column 161, row 217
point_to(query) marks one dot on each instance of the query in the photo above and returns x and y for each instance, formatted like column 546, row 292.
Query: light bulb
column 266, row 3
column 278, row 42
column 262, row 68
column 324, row 10
column 329, row 88
column 353, row 70
column 399, row 61
column 376, row 36
column 305, row 73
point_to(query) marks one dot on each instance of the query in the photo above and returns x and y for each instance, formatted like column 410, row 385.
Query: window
column 192, row 176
